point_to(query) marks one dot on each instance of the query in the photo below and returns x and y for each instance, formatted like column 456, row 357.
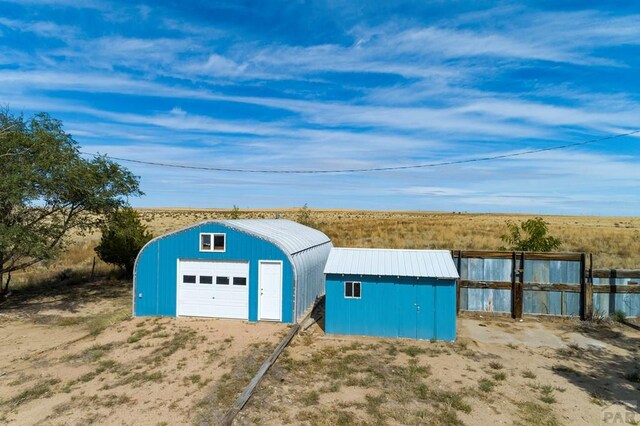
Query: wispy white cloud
column 398, row 92
column 45, row 29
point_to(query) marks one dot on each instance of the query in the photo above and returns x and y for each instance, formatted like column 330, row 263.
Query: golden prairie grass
column 613, row 241
column 78, row 258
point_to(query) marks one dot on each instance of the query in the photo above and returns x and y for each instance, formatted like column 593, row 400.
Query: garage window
column 239, row 281
column 206, row 279
column 213, row 242
column 222, row 280
column 352, row 290
column 189, row 279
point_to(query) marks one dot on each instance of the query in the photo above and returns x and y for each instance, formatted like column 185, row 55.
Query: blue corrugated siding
column 156, row 274
column 387, row 307
column 552, row 271
column 608, row 303
column 536, row 271
column 485, row 299
column 309, row 266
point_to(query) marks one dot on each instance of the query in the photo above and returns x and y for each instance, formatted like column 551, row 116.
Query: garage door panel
column 213, row 300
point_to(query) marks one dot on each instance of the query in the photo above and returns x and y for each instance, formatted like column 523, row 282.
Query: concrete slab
column 534, row 335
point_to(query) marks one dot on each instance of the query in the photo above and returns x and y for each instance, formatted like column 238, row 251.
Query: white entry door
column 213, row 289
column 270, row 287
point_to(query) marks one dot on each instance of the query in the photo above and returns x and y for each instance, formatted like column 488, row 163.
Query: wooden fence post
column 458, row 282
column 93, row 269
column 613, row 289
column 586, row 290
column 518, row 295
column 513, row 284
column 517, row 288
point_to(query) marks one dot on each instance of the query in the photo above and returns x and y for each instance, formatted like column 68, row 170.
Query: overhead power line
column 371, row 169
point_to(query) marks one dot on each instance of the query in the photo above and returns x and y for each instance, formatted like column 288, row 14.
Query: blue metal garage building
column 255, row 270
column 391, row 293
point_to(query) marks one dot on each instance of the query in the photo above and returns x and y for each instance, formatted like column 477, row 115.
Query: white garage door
column 213, row 289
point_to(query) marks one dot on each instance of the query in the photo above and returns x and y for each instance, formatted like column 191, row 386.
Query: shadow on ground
column 608, row 377
column 67, row 292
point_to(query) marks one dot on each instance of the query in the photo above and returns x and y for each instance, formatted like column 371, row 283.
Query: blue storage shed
column 256, row 270
column 391, row 293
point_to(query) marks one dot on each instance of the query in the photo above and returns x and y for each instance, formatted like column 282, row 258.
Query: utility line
column 372, row 169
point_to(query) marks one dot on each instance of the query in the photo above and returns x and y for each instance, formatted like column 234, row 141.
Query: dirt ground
column 71, row 354
column 77, row 357
column 535, row 372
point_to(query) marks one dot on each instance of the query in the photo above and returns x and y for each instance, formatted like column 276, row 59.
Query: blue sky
column 342, row 84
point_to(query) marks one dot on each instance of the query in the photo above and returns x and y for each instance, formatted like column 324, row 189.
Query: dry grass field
column 614, row 241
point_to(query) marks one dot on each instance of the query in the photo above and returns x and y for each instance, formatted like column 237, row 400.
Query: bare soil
column 58, row 367
column 71, row 354
column 499, row 371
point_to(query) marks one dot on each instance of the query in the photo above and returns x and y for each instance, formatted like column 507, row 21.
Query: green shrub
column 619, row 316
column 530, row 235
column 122, row 239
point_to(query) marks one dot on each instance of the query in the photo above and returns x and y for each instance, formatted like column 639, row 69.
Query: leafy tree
column 122, row 239
column 530, row 235
column 48, row 190
column 304, row 216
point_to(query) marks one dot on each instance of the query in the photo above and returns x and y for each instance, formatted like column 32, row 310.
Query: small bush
column 412, row 351
column 498, row 377
column 496, row 365
column 235, row 212
column 309, row 398
column 486, row 385
column 619, row 316
column 530, row 235
column 40, row 390
column 598, row 317
column 548, row 398
column 304, row 216
column 122, row 239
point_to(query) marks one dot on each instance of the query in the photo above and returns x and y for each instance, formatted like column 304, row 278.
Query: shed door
column 270, row 286
column 213, row 289
column 417, row 310
column 407, row 324
column 425, row 311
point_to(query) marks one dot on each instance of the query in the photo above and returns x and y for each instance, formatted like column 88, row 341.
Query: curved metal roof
column 401, row 263
column 292, row 237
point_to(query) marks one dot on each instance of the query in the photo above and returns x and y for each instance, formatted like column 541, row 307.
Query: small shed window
column 189, row 279
column 239, row 281
column 213, row 242
column 222, row 280
column 206, row 279
column 352, row 290
column 218, row 242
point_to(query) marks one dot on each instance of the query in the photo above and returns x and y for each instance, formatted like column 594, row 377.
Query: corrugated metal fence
column 561, row 284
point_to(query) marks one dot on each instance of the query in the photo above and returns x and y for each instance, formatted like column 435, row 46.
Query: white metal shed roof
column 290, row 236
column 401, row 263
